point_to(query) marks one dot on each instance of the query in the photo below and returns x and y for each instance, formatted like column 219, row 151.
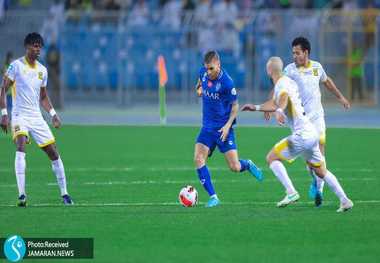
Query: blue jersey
column 217, row 97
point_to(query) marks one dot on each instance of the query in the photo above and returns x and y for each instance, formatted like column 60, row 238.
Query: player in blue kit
column 219, row 111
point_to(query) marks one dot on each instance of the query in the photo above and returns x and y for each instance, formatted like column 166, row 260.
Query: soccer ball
column 188, row 196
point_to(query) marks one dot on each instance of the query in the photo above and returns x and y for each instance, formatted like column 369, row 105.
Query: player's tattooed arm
column 330, row 85
column 226, row 128
column 198, row 88
column 6, row 84
column 282, row 105
column 283, row 101
column 46, row 104
column 268, row 115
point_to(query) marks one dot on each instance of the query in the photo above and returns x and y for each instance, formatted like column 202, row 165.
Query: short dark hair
column 303, row 42
column 33, row 38
column 210, row 55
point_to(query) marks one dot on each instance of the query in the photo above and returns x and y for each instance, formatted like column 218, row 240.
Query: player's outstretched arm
column 7, row 83
column 46, row 104
column 268, row 106
column 330, row 85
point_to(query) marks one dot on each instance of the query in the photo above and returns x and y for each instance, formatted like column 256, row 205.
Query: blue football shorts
column 212, row 139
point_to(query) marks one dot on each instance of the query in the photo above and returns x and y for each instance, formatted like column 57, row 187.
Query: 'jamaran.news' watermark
column 16, row 248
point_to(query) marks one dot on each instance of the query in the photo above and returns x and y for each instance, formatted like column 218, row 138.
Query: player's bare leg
column 59, row 171
column 51, row 151
column 233, row 161
column 201, row 153
column 241, row 165
column 279, row 170
column 333, row 183
column 20, row 166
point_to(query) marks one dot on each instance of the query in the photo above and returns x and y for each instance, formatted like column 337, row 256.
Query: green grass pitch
column 125, row 182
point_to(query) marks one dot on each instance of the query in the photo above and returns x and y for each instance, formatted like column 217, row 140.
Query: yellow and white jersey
column 28, row 81
column 308, row 79
column 295, row 114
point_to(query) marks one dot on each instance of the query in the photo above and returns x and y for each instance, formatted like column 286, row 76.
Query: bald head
column 274, row 66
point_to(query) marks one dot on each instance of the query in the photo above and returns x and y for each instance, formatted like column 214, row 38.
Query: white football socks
column 320, row 183
column 280, row 171
column 59, row 171
column 20, row 165
column 335, row 186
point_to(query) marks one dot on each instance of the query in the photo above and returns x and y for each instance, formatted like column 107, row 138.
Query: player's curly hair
column 33, row 38
column 210, row 56
column 303, row 42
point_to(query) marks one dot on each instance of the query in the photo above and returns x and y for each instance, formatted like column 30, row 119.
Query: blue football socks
column 244, row 165
column 205, row 179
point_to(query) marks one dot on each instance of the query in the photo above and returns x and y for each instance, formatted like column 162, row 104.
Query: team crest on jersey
column 40, row 75
column 218, row 86
column 209, row 84
column 315, row 71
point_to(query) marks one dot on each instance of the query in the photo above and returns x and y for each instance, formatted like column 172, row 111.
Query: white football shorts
column 295, row 145
column 320, row 126
column 36, row 127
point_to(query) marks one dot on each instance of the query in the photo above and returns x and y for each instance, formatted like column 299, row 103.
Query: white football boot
column 345, row 206
column 288, row 199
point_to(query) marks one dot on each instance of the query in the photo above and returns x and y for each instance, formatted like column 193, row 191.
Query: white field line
column 165, row 169
column 181, row 182
column 125, row 204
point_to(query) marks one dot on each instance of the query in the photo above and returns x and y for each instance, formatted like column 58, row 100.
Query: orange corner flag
column 162, row 73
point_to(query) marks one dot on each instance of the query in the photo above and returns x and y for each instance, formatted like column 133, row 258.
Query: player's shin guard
column 205, row 179
column 280, row 172
column 20, row 165
column 335, row 186
column 243, row 165
column 59, row 171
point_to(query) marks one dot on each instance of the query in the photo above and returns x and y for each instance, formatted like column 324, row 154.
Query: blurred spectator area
column 121, row 46
column 110, row 47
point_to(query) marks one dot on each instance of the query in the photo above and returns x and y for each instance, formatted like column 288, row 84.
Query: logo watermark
column 17, row 248
column 14, row 248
